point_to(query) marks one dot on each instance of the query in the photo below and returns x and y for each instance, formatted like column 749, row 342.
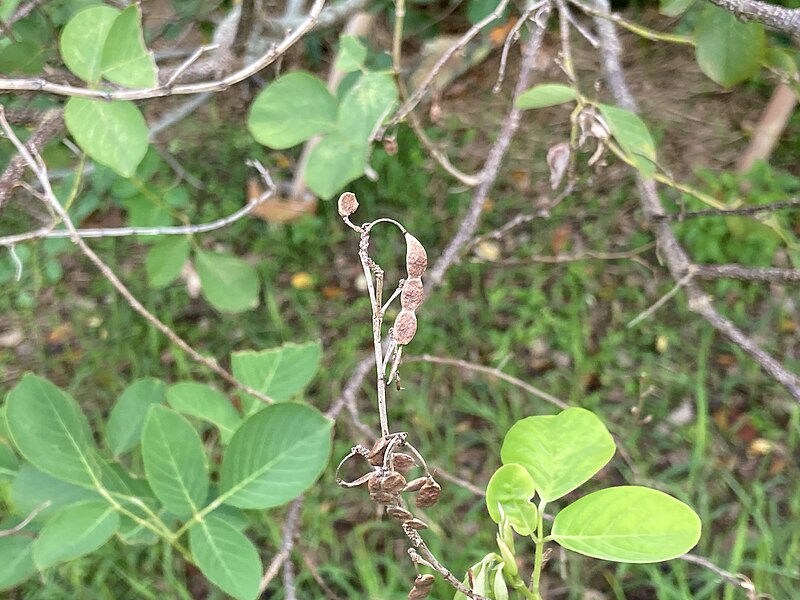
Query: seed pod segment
column 428, row 495
column 399, row 513
column 403, row 462
column 416, row 257
column 378, row 450
column 347, row 204
column 416, row 524
column 405, row 326
column 424, row 581
column 415, row 484
column 393, row 482
column 411, row 294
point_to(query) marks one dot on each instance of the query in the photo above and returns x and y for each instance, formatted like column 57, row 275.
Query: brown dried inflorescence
column 347, row 204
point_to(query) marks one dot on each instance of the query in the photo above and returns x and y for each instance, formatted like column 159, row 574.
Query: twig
column 104, row 232
column 471, row 487
column 511, row 38
column 786, row 20
column 743, row 211
column 673, row 254
column 737, row 580
column 189, row 62
column 290, row 528
column 24, row 523
column 23, row 11
column 558, row 259
column 178, row 114
column 37, row 165
column 489, row 371
column 664, row 299
column 494, row 160
column 735, row 271
column 49, row 87
column 640, row 30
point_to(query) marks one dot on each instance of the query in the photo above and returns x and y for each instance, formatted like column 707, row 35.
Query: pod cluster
column 405, row 324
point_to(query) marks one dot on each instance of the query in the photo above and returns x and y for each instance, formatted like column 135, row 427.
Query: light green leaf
column 32, row 488
column 124, row 427
column 560, row 452
column 16, row 560
column 226, row 557
column 75, row 531
column 674, row 8
column 628, row 524
column 204, row 402
column 290, row 110
column 132, row 533
column 728, row 51
column 111, row 133
column 83, row 39
column 275, row 456
column 782, row 61
column 9, row 465
column 632, row 135
column 352, row 54
column 545, row 94
column 364, row 106
column 7, row 8
column 280, row 373
column 174, row 461
column 165, row 260
column 333, row 163
column 499, row 586
column 49, row 430
column 228, row 283
column 125, row 58
column 509, row 493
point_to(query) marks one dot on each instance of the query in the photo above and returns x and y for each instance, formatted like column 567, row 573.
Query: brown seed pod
column 378, row 451
column 347, row 204
column 418, row 593
column 411, row 295
column 416, row 257
column 405, row 326
column 374, row 483
column 393, row 482
column 424, row 581
column 415, row 484
column 416, row 524
column 384, row 497
column 399, row 513
column 403, row 462
column 428, row 495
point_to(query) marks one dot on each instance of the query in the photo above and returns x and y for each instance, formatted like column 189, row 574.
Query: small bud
column 378, row 451
column 405, row 326
column 393, row 482
column 416, row 524
column 347, row 204
column 509, row 562
column 424, row 581
column 403, row 462
column 428, row 495
column 415, row 484
column 399, row 513
column 411, row 294
column 416, row 257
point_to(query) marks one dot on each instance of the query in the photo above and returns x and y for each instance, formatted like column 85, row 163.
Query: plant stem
column 538, row 559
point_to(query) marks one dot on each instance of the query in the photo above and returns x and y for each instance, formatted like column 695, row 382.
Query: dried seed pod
column 405, row 326
column 418, row 593
column 347, row 204
column 428, row 495
column 411, row 295
column 416, row 524
column 384, row 497
column 378, row 451
column 374, row 483
column 393, row 482
column 415, row 484
column 403, row 462
column 424, row 581
column 399, row 513
column 416, row 257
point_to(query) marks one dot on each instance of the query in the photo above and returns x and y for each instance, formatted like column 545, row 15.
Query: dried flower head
column 347, row 204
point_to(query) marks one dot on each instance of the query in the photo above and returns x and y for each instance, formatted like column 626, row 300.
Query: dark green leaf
column 334, row 162
column 364, row 106
column 632, row 135
column 204, row 402
column 16, row 560
column 728, row 50
column 545, row 94
column 32, row 489
column 352, row 54
column 124, row 427
column 165, row 260
column 228, row 283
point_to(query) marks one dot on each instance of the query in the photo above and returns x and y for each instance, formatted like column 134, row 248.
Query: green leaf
column 352, row 54
column 628, row 524
column 204, row 402
column 333, row 163
column 226, row 557
column 545, row 94
column 32, row 488
column 49, row 430
column 111, row 133
column 509, row 493
column 292, row 109
column 275, row 456
column 75, row 531
column 632, row 135
column 9, row 465
column 560, row 452
column 280, row 373
column 364, row 106
column 728, row 51
column 125, row 58
column 477, row 10
column 124, row 427
column 228, row 283
column 16, row 560
column 499, row 586
column 83, row 39
column 25, row 58
column 174, row 461
column 165, row 260
column 674, row 8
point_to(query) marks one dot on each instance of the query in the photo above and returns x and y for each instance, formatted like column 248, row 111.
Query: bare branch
column 743, row 211
column 735, row 271
column 786, row 20
column 49, row 87
column 736, row 580
column 24, row 523
column 290, row 528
